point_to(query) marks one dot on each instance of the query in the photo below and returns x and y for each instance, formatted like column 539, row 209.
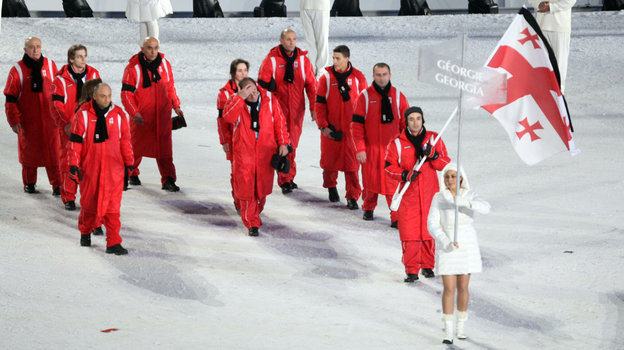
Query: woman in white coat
column 455, row 261
column 147, row 12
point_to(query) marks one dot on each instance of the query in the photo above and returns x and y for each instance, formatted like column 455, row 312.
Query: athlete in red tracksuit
column 287, row 72
column 98, row 151
column 376, row 122
column 148, row 94
column 259, row 128
column 402, row 154
column 239, row 69
column 336, row 93
column 28, row 94
column 67, row 90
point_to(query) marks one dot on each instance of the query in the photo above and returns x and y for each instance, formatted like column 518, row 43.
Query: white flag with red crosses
column 535, row 115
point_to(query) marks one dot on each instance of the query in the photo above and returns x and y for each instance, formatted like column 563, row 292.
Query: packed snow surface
column 319, row 277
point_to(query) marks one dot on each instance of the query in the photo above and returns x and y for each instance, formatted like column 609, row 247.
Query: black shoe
column 352, row 204
column 428, row 273
column 293, row 185
column 333, row 194
column 395, row 224
column 85, row 240
column 368, row 215
column 98, row 231
column 170, row 185
column 30, row 188
column 134, row 180
column 56, row 191
column 286, row 187
column 253, row 232
column 117, row 249
column 70, row 205
column 447, row 341
column 411, row 277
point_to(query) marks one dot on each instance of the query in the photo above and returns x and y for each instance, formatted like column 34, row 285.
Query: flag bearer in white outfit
column 455, row 261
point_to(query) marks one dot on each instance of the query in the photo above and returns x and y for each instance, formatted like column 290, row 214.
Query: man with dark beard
column 377, row 120
column 99, row 152
column 148, row 94
column 67, row 90
column 28, row 94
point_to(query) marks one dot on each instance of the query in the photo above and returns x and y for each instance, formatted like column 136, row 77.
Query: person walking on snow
column 377, row 120
column 337, row 91
column 148, row 94
column 28, row 93
column 239, row 68
column 99, row 151
column 260, row 129
column 68, row 85
column 287, row 73
column 455, row 261
column 403, row 153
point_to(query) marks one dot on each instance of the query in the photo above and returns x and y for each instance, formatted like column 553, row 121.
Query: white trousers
column 148, row 29
column 560, row 43
column 316, row 32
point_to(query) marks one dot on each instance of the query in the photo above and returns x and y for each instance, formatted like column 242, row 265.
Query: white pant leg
column 316, row 32
column 148, row 29
column 560, row 43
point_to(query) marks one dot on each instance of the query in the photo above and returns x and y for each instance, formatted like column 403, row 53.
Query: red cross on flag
column 535, row 115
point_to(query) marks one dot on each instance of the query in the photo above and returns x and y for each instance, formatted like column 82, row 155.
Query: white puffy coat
column 441, row 225
column 147, row 10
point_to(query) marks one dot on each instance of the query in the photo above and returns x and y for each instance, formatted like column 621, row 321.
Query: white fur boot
column 462, row 316
column 448, row 328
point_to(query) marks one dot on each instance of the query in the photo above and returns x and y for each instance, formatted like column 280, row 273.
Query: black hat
column 413, row 110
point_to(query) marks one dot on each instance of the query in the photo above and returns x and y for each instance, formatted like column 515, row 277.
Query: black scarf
column 289, row 75
column 343, row 87
column 78, row 79
column 417, row 140
column 386, row 107
column 35, row 66
column 149, row 67
column 101, row 131
column 253, row 111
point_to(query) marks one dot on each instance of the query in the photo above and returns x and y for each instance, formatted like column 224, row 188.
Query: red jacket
column 290, row 96
column 370, row 135
column 225, row 129
column 414, row 209
column 331, row 109
column 101, row 164
column 251, row 156
column 153, row 138
column 65, row 94
column 38, row 142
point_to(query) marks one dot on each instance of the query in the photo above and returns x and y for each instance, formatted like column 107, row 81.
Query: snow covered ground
column 319, row 277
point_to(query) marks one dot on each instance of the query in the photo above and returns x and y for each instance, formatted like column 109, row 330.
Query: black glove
column 406, row 175
column 431, row 153
column 74, row 174
column 336, row 135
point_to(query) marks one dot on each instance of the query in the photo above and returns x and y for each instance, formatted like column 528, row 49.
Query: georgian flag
column 535, row 115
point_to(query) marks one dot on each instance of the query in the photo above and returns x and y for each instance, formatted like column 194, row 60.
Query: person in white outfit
column 455, row 261
column 315, row 20
column 147, row 13
column 555, row 19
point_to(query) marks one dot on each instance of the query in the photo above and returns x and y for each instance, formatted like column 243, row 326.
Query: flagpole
column 459, row 127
